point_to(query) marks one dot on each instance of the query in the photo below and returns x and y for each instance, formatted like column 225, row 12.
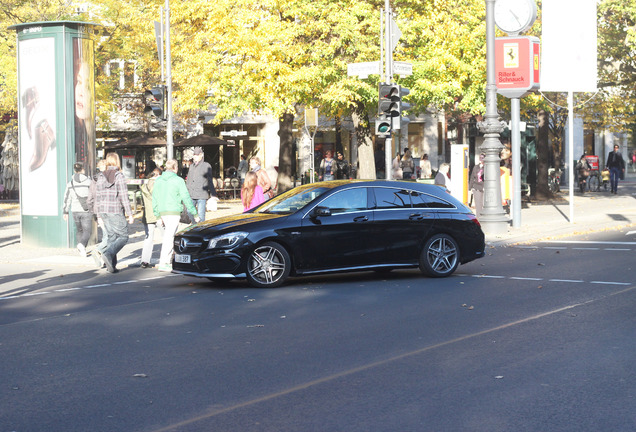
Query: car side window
column 421, row 200
column 391, row 198
column 347, row 201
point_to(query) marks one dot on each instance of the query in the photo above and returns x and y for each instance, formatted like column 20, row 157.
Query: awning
column 201, row 140
column 144, row 141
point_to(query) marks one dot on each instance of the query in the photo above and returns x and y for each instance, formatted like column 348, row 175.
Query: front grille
column 185, row 244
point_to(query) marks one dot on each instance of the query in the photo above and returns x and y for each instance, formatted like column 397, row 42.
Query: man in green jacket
column 168, row 198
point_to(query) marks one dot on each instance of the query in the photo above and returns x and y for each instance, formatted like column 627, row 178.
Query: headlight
column 227, row 241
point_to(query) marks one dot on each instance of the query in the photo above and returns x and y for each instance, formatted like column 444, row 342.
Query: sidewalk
column 593, row 212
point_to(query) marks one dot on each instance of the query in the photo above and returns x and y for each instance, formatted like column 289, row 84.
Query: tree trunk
column 366, row 161
column 285, row 175
column 542, row 190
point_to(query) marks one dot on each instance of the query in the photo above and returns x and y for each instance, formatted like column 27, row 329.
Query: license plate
column 184, row 259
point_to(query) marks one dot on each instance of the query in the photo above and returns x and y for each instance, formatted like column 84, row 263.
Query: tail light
column 473, row 218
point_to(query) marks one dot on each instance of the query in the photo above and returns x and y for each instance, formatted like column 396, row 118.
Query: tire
column 268, row 266
column 440, row 256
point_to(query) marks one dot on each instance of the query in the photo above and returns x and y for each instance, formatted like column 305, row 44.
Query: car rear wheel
column 268, row 266
column 440, row 256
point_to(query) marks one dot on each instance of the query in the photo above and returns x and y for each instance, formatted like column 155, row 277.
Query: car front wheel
column 440, row 256
column 268, row 266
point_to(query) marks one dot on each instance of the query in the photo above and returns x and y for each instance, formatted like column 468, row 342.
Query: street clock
column 515, row 16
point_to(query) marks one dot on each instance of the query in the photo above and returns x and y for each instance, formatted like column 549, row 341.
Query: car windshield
column 293, row 200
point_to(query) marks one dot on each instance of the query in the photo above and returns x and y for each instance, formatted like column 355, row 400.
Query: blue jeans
column 117, row 229
column 615, row 174
column 200, row 205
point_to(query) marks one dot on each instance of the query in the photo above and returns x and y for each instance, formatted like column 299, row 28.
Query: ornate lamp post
column 493, row 218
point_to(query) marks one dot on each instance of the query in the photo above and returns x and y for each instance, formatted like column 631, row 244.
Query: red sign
column 516, row 65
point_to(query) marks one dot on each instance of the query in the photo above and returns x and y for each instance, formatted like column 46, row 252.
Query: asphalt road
column 532, row 338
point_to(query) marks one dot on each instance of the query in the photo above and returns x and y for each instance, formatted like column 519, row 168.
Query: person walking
column 616, row 165
column 396, row 168
column 327, row 167
column 113, row 205
column 76, row 202
column 476, row 185
column 441, row 178
column 263, row 179
column 407, row 165
column 99, row 249
column 243, row 168
column 251, row 193
column 426, row 167
column 149, row 219
column 169, row 195
column 200, row 182
column 343, row 169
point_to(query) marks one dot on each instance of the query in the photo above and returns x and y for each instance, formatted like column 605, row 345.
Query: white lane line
column 589, row 242
column 70, row 289
column 556, row 247
column 616, row 249
column 586, row 248
column 566, row 280
column 96, row 286
column 124, row 282
column 527, row 247
column 489, row 276
column 35, row 294
column 610, row 283
column 526, row 278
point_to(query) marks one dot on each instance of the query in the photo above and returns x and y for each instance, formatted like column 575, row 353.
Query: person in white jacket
column 76, row 202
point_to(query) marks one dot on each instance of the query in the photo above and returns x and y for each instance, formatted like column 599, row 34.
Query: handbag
column 82, row 200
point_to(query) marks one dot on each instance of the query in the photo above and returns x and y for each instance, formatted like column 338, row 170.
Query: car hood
column 229, row 223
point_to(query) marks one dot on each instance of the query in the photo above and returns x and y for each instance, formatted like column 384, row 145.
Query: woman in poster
column 84, row 102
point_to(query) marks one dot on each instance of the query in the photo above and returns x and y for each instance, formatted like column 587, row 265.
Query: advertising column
column 56, row 115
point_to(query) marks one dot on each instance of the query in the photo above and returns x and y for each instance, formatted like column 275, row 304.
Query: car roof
column 428, row 188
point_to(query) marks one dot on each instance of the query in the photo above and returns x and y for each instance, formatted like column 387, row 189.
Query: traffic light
column 389, row 97
column 155, row 101
column 401, row 107
column 383, row 125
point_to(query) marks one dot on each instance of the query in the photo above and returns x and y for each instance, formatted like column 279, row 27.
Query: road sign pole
column 169, row 133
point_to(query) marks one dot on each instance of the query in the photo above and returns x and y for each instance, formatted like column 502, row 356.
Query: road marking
column 526, row 278
column 610, row 283
column 489, row 276
column 565, row 280
column 589, row 242
column 556, row 247
column 616, row 249
column 587, row 248
column 630, row 233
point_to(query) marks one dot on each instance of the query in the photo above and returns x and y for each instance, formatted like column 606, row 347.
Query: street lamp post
column 493, row 218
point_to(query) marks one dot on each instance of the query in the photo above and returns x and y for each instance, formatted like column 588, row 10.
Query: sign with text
column 516, row 65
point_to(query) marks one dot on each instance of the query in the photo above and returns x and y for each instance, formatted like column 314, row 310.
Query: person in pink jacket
column 251, row 193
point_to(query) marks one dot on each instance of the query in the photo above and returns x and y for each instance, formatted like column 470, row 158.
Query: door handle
column 360, row 219
column 416, row 216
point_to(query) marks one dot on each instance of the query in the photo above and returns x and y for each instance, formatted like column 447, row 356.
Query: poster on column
column 37, row 101
column 84, row 103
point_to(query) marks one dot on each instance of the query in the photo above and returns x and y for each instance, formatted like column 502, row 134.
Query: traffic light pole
column 388, row 78
column 169, row 132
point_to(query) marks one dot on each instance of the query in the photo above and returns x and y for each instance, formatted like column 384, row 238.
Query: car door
column 398, row 226
column 337, row 240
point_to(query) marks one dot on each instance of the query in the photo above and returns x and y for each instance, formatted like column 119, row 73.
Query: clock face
column 515, row 16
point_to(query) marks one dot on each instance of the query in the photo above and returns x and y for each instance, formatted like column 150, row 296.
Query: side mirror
column 321, row 211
